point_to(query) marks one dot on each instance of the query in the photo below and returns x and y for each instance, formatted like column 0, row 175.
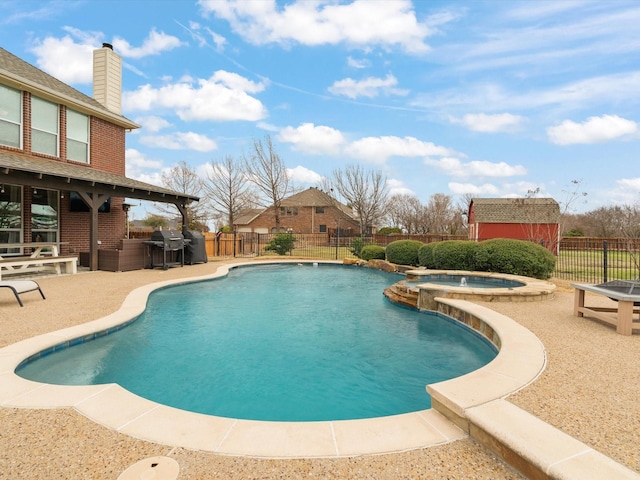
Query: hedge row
column 502, row 255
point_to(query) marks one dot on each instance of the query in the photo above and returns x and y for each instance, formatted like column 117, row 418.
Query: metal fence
column 598, row 260
column 328, row 246
column 581, row 259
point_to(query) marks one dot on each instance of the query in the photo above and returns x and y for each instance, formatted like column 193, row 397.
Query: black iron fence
column 581, row 259
column 598, row 260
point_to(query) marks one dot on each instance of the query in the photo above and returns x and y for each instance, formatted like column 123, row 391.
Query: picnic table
column 625, row 293
column 43, row 255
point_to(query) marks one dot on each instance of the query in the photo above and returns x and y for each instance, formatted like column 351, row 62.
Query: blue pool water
column 277, row 342
column 471, row 281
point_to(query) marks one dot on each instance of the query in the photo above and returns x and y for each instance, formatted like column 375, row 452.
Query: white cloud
column 309, row 138
column 180, row 141
column 152, row 123
column 389, row 24
column 155, row 43
column 465, row 188
column 476, row 168
column 358, row 63
column 70, row 58
column 627, row 191
column 593, row 130
column 269, row 127
column 303, row 175
column 379, row 149
column 481, row 122
column 137, row 165
column 605, row 89
column 369, row 87
column 224, row 96
column 630, row 183
column 397, row 187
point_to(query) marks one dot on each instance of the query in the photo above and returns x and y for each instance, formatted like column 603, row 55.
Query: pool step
column 402, row 294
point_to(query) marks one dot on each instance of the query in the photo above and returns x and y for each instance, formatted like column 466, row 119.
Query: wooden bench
column 16, row 265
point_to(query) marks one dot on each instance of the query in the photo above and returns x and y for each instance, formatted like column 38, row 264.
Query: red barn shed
column 532, row 219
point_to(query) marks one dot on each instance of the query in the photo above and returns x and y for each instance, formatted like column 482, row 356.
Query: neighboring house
column 310, row 211
column 533, row 219
column 62, row 159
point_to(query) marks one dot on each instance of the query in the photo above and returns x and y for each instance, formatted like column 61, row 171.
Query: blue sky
column 488, row 98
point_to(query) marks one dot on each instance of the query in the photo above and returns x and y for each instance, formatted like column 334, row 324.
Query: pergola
column 94, row 186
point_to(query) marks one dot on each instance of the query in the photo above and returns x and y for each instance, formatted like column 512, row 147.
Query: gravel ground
column 590, row 390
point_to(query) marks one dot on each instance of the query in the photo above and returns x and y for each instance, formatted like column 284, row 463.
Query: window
column 44, row 215
column 44, row 127
column 288, row 211
column 323, row 229
column 10, row 217
column 319, row 209
column 10, row 117
column 77, row 137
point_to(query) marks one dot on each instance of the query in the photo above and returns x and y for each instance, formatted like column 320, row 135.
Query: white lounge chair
column 21, row 286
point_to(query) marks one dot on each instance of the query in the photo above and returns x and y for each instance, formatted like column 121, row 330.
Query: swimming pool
column 355, row 354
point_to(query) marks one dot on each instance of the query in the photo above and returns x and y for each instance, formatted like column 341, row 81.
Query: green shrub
column 454, row 255
column 281, row 243
column 403, row 252
column 425, row 255
column 516, row 257
column 373, row 252
column 356, row 246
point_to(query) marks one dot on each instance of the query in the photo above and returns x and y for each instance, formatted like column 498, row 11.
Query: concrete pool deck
column 140, row 419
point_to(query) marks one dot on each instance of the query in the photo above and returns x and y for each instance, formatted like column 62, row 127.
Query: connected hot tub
column 422, row 287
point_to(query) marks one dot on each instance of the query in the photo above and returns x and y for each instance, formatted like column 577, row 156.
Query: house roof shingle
column 54, row 169
column 22, row 75
column 311, row 197
column 515, row 210
column 314, row 197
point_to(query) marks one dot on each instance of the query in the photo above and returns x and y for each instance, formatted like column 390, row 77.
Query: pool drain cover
column 153, row 468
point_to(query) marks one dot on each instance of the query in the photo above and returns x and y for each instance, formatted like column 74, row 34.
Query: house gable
column 309, row 211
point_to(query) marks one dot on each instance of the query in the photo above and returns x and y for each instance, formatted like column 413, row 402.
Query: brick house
column 310, row 211
column 532, row 219
column 62, row 159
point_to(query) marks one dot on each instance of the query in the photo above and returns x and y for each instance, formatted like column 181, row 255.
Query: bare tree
column 365, row 191
column 267, row 172
column 440, row 212
column 183, row 178
column 406, row 212
column 228, row 189
column 616, row 221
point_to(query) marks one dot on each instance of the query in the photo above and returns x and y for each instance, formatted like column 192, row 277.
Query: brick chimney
column 107, row 78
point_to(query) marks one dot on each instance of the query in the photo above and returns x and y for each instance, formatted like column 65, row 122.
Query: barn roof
column 515, row 210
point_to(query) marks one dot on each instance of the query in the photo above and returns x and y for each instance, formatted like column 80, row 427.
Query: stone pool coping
column 531, row 290
column 112, row 406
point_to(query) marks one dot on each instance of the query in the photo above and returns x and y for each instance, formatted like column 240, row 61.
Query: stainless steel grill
column 166, row 248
